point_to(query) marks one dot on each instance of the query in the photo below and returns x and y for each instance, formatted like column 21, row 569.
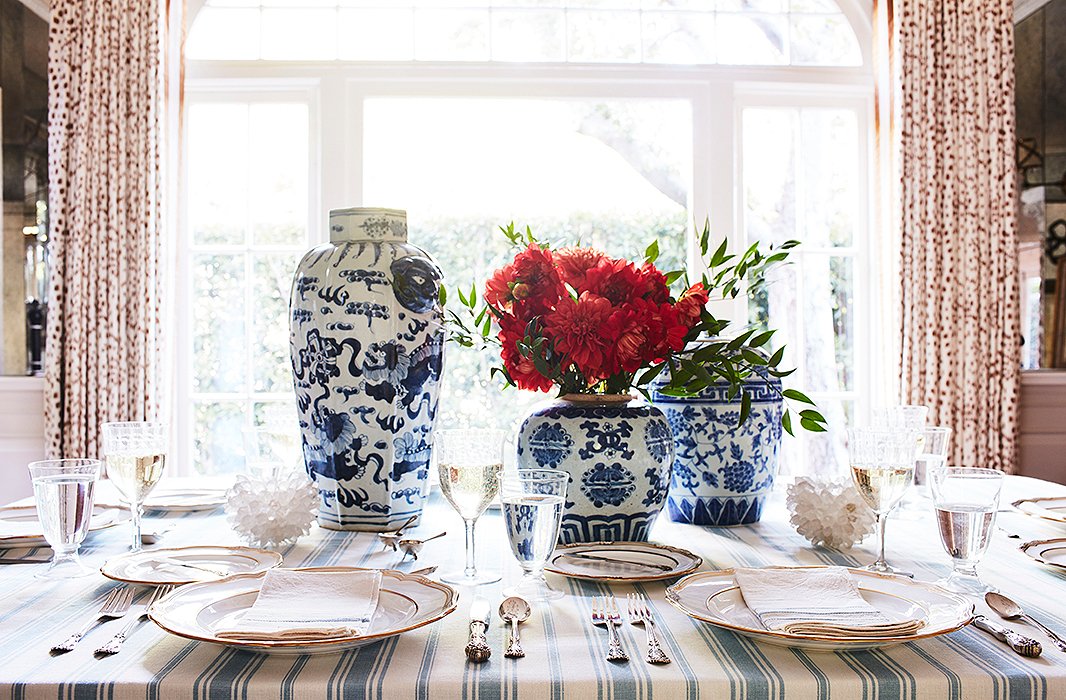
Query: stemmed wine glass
column 932, row 456
column 135, row 455
column 966, row 502
column 63, row 489
column 469, row 463
column 532, row 502
column 882, row 467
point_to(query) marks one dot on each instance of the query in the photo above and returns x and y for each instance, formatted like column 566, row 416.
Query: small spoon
column 514, row 610
column 391, row 538
column 1009, row 610
column 413, row 547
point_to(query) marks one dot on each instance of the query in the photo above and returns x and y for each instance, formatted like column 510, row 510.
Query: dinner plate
column 178, row 500
column 1053, row 508
column 197, row 611
column 714, row 597
column 1050, row 552
column 19, row 526
column 159, row 567
column 621, row 561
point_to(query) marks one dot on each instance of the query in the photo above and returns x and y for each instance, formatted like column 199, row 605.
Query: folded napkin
column 823, row 602
column 309, row 605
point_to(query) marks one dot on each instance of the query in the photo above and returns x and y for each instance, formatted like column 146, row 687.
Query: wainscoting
column 21, row 433
column 1042, row 425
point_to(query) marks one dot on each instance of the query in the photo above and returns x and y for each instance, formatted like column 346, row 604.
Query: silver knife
column 1026, row 646
column 615, row 560
column 477, row 650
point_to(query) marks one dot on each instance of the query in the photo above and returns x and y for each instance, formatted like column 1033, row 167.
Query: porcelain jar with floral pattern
column 617, row 450
column 722, row 472
column 367, row 341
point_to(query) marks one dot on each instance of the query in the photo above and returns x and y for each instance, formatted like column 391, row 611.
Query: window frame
column 334, row 92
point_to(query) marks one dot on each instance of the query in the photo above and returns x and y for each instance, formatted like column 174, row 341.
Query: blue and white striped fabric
column 565, row 655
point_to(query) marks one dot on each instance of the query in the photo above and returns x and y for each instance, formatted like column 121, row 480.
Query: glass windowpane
column 599, row 37
column 823, row 40
column 304, row 34
column 375, row 34
column 528, row 35
column 678, row 37
column 278, row 171
column 224, row 34
column 452, row 35
column 218, row 332
column 218, row 446
column 752, row 39
column 217, row 183
column 272, row 279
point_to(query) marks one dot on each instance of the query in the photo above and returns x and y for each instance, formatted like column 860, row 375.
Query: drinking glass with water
column 63, row 489
column 532, row 501
column 966, row 501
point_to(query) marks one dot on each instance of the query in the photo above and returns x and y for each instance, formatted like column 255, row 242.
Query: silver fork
column 115, row 644
column 605, row 612
column 640, row 614
column 115, row 606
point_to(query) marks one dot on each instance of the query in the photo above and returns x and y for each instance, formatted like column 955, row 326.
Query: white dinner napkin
column 816, row 602
column 297, row 605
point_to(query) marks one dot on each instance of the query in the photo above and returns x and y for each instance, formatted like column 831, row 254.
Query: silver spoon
column 514, row 610
column 413, row 546
column 392, row 538
column 1009, row 610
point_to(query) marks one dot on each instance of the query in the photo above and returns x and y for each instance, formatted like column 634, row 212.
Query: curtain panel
column 960, row 308
column 106, row 113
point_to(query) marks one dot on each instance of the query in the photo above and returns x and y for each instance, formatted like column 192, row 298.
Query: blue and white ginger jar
column 618, row 452
column 367, row 340
column 723, row 473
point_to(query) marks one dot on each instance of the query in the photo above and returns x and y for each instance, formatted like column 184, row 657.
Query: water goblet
column 63, row 489
column 532, row 502
column 469, row 463
column 135, row 454
column 966, row 500
column 882, row 467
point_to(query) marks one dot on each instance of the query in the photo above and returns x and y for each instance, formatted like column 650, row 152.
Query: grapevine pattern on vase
column 367, row 355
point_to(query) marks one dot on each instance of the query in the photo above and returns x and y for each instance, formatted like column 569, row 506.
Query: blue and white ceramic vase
column 723, row 473
column 367, row 340
column 618, row 452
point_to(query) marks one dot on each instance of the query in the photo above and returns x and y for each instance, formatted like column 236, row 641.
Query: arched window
column 611, row 122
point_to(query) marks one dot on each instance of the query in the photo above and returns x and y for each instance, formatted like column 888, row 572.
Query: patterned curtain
column 106, row 102
column 960, row 314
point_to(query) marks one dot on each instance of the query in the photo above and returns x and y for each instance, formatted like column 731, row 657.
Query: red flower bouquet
column 578, row 319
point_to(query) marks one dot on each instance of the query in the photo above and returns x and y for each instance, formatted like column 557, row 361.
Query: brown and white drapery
column 106, row 109
column 960, row 313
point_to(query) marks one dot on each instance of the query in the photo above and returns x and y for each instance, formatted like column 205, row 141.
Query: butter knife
column 1026, row 646
column 477, row 649
column 615, row 560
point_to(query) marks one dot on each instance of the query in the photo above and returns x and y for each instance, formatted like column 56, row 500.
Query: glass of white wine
column 882, row 467
column 966, row 502
column 469, row 463
column 532, row 501
column 135, row 454
column 63, row 489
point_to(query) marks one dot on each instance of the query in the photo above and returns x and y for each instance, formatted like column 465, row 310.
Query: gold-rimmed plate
column 199, row 611
column 1048, row 552
column 177, row 566
column 20, row 526
column 621, row 561
column 714, row 597
column 1052, row 508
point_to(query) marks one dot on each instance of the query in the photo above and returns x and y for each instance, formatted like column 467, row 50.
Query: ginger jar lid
column 367, row 224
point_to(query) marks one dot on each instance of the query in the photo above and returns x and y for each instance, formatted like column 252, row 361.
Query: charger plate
column 714, row 597
column 628, row 561
column 197, row 611
column 20, row 527
column 150, row 568
column 1049, row 552
column 1053, row 508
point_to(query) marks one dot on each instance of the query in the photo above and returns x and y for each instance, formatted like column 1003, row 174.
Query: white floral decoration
column 272, row 508
column 829, row 512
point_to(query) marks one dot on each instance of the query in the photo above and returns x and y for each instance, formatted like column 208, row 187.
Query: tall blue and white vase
column 723, row 473
column 617, row 450
column 367, row 340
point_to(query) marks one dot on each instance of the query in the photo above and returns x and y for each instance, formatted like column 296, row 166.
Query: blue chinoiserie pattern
column 723, row 473
column 367, row 343
column 618, row 452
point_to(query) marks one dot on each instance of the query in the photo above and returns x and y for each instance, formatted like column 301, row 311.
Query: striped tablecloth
column 565, row 656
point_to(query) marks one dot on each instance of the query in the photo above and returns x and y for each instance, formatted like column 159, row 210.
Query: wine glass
column 135, row 455
column 63, row 489
column 932, row 456
column 882, row 467
column 532, row 502
column 469, row 464
column 966, row 501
